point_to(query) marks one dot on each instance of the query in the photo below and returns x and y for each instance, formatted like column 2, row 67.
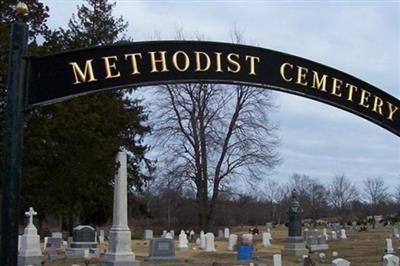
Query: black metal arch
column 62, row 76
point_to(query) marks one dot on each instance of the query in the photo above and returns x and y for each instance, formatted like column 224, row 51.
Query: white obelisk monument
column 119, row 251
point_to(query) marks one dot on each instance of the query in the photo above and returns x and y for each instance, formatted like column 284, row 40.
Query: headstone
column 209, row 245
column 390, row 260
column 55, row 242
column 220, row 233
column 268, row 225
column 396, row 232
column 325, row 234
column 226, row 233
column 343, row 234
column 294, row 246
column 335, row 254
column 316, row 242
column 183, row 242
column 277, row 260
column 307, row 261
column 51, row 252
column 198, row 242
column 247, row 239
column 202, row 240
column 148, row 234
column 340, row 262
column 161, row 249
column 83, row 239
column 164, row 233
column 168, row 236
column 322, row 257
column 334, row 235
column 19, row 242
column 119, row 250
column 30, row 252
column 57, row 235
column 191, row 235
column 172, row 232
column 45, row 239
column 389, row 246
column 101, row 237
column 266, row 239
column 232, row 242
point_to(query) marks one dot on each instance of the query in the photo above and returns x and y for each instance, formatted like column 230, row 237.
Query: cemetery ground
column 360, row 248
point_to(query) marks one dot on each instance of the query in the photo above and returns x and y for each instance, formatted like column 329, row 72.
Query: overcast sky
column 361, row 38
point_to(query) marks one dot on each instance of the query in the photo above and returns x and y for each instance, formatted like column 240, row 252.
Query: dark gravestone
column 84, row 233
column 294, row 246
column 55, row 242
column 83, row 238
column 308, row 262
column 161, row 249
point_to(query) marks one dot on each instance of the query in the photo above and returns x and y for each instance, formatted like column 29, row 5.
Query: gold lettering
column 253, row 63
column 219, row 66
column 301, row 75
column 364, row 98
column 81, row 76
column 233, row 63
column 282, row 71
column 109, row 66
column 336, row 84
column 133, row 57
column 319, row 84
column 162, row 60
column 377, row 105
column 352, row 89
column 392, row 109
column 175, row 61
column 198, row 61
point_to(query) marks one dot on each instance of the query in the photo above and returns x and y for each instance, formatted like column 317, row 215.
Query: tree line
column 340, row 200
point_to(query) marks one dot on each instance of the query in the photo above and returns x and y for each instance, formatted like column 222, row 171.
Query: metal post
column 13, row 143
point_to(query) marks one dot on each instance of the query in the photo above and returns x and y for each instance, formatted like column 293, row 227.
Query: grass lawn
column 361, row 249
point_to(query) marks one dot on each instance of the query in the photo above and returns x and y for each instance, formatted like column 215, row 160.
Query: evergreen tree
column 70, row 147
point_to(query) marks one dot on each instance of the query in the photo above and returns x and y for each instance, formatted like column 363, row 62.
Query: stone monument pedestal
column 295, row 247
column 119, row 251
column 30, row 252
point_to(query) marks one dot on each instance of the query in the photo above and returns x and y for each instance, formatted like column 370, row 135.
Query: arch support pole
column 14, row 124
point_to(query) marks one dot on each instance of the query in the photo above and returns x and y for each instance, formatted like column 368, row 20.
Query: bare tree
column 313, row 195
column 273, row 193
column 375, row 191
column 397, row 194
column 215, row 135
column 342, row 193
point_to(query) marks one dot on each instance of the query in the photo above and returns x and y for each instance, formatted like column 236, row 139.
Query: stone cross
column 30, row 214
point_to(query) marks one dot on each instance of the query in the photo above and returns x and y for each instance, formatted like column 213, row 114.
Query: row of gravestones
column 82, row 244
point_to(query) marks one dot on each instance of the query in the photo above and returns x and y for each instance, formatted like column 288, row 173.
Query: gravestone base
column 168, row 258
column 119, row 260
column 161, row 249
column 294, row 247
column 318, row 247
column 34, row 260
column 182, row 249
column 73, row 253
column 119, row 251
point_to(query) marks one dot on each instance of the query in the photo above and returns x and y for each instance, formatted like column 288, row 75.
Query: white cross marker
column 30, row 214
